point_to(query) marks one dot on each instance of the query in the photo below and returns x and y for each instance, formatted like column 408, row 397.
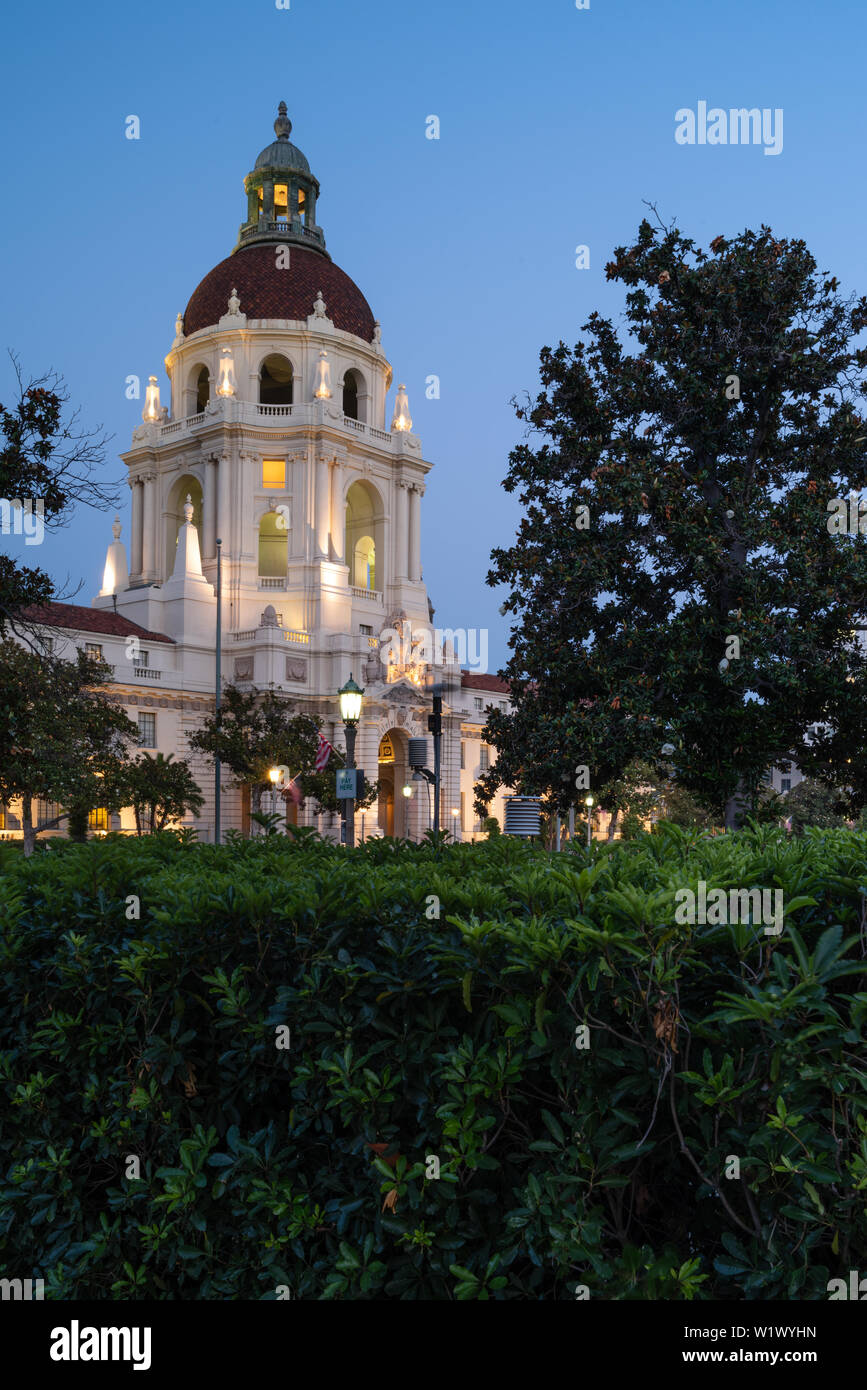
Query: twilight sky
column 555, row 124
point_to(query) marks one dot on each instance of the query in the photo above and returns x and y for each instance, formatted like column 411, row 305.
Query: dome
column 282, row 154
column 267, row 292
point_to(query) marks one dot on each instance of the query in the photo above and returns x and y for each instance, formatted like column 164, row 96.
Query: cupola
column 281, row 194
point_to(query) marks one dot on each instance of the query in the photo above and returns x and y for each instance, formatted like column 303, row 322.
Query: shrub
column 413, row 1037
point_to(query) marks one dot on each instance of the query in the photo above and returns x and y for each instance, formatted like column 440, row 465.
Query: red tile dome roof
column 267, row 292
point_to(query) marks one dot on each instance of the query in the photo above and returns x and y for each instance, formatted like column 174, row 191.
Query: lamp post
column 588, row 802
column 274, row 775
column 218, row 691
column 455, row 815
column 350, row 696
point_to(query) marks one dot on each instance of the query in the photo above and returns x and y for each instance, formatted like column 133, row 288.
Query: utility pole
column 435, row 726
column 219, row 690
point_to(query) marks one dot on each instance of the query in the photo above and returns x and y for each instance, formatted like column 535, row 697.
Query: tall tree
column 62, row 736
column 48, row 464
column 676, row 578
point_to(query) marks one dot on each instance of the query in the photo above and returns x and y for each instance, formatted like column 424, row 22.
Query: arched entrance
column 392, row 770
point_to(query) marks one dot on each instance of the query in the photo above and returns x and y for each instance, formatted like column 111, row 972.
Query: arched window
column 364, row 563
column 275, row 381
column 273, row 546
column 365, row 540
column 203, row 390
column 350, row 395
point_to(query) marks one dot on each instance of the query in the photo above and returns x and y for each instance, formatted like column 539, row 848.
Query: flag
column 292, row 792
column 323, row 753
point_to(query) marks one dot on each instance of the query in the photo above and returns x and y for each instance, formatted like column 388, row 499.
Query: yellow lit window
column 273, row 472
column 302, row 199
column 281, row 202
column 98, row 819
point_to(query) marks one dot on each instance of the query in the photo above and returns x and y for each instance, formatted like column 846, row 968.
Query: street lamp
column 349, row 697
column 588, row 802
column 455, row 815
column 274, row 775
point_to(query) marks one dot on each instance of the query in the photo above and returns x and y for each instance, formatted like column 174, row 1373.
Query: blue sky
column 556, row 125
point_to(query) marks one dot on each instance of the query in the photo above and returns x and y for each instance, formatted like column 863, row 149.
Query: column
column 149, row 526
column 338, row 514
column 136, row 529
column 209, row 540
column 268, row 201
column 323, row 488
column 414, row 533
column 223, row 504
column 401, row 522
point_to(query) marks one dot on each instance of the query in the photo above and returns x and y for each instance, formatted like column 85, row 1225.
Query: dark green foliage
column 705, row 602
column 813, row 803
column 452, row 1037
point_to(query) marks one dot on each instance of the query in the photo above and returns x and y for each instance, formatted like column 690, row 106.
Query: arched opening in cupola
column 350, row 395
column 197, row 391
column 275, row 380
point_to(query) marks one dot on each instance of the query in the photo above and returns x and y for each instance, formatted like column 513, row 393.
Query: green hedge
column 454, row 1037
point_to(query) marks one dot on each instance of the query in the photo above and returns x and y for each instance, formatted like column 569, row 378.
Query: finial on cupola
column 282, row 125
column 188, row 509
column 115, row 528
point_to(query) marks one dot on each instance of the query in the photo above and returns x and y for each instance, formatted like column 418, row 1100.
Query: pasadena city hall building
column 276, row 441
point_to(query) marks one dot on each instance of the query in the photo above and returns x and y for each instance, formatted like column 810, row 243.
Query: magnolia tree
column 681, row 579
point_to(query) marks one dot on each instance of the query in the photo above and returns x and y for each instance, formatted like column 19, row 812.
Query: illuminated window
column 302, row 202
column 93, row 650
column 98, row 819
column 273, row 546
column 273, row 473
column 281, row 202
column 365, row 563
column 2, row 817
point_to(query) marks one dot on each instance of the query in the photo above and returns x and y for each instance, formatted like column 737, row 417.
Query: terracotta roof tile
column 266, row 292
column 102, row 620
column 471, row 682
